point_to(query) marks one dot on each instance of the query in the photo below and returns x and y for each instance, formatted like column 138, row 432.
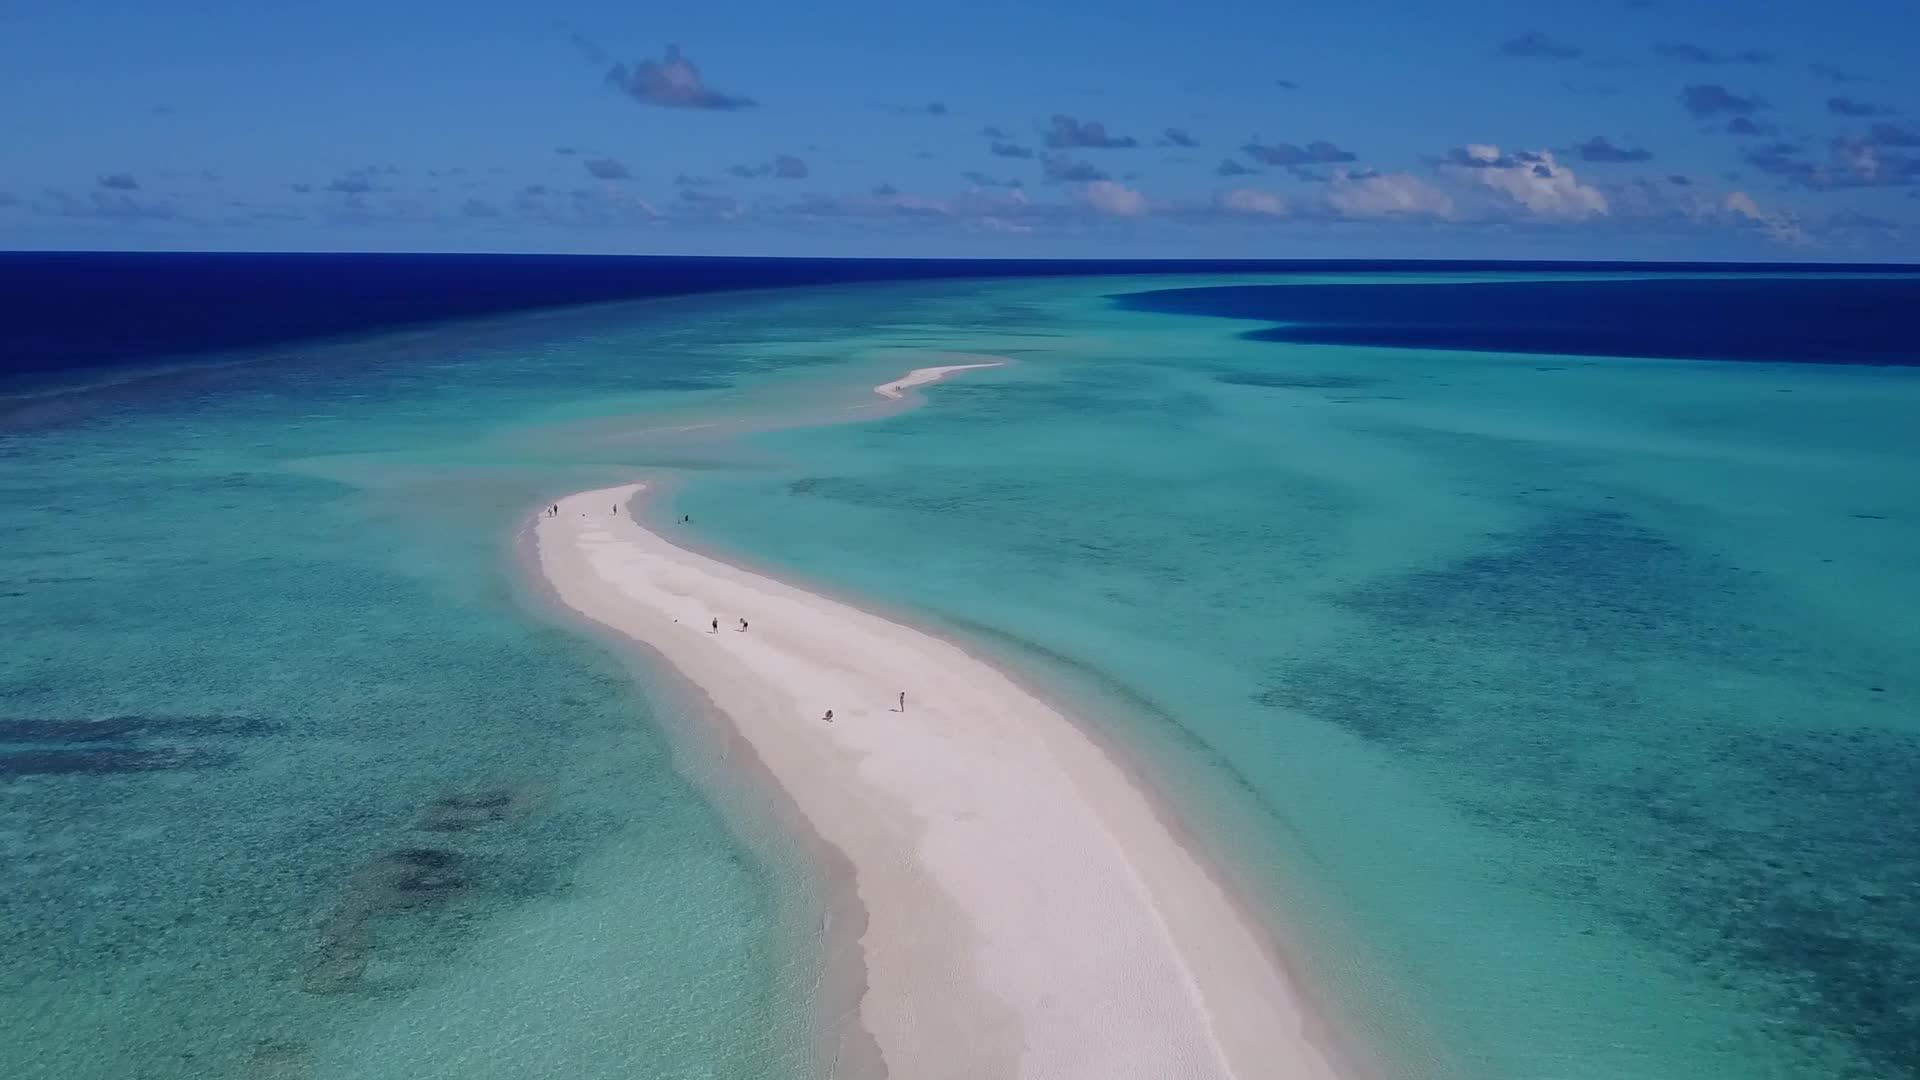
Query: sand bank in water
column 922, row 376
column 1028, row 914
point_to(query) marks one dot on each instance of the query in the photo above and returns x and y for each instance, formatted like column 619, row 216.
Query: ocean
column 1533, row 645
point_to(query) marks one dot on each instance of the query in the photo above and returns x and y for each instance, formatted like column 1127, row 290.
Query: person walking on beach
column 716, row 624
column 903, row 701
column 743, row 626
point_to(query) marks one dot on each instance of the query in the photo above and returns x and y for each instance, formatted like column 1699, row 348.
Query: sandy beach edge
column 846, row 1047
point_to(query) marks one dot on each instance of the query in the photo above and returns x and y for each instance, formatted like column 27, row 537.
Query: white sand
column 1028, row 914
column 922, row 376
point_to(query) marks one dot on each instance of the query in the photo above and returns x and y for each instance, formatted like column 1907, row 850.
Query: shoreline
column 1170, row 976
column 729, row 765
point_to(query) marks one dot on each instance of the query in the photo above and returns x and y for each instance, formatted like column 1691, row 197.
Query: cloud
column 1893, row 135
column 991, row 132
column 1533, row 180
column 599, row 206
column 301, row 188
column 1713, row 99
column 1314, row 153
column 1599, row 150
column 1534, row 44
column 1255, row 202
column 1376, row 195
column 1177, row 137
column 1232, row 167
column 980, row 179
column 1852, row 161
column 672, row 82
column 1844, row 220
column 606, row 169
column 1780, row 226
column 992, row 210
column 1834, row 74
column 931, row 108
column 1006, row 149
column 710, row 205
column 1059, row 168
column 782, row 167
column 1695, row 54
column 1066, row 133
column 1846, row 106
column 1114, row 200
column 478, row 209
column 684, row 180
column 114, row 206
column 120, row 181
column 1781, row 159
column 357, row 182
column 1742, row 125
column 1678, row 181
column 1286, row 84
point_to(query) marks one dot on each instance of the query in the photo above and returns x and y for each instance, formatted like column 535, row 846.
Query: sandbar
column 922, row 376
column 1028, row 912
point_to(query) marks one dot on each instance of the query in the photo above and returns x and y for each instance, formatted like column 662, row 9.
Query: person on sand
column 743, row 626
column 716, row 624
column 829, row 717
column 903, row 701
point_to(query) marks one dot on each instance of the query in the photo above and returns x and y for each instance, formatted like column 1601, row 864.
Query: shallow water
column 1561, row 707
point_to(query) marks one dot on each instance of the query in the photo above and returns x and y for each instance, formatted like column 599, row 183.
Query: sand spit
column 1028, row 914
column 922, row 376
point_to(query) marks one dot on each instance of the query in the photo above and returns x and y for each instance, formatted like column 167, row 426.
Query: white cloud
column 1253, row 201
column 1385, row 195
column 1546, row 188
column 1115, row 199
column 1780, row 225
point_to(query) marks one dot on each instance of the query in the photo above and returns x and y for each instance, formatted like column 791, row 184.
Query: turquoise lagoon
column 1558, row 710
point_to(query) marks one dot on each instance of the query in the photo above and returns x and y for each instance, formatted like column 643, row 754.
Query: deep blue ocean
column 1536, row 644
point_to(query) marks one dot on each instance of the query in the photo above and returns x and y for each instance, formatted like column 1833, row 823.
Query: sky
column 1604, row 129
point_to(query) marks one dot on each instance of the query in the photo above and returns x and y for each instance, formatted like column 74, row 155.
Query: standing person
column 903, row 701
column 716, row 624
column 743, row 626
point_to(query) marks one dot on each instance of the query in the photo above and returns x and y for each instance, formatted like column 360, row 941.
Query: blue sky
column 1776, row 129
